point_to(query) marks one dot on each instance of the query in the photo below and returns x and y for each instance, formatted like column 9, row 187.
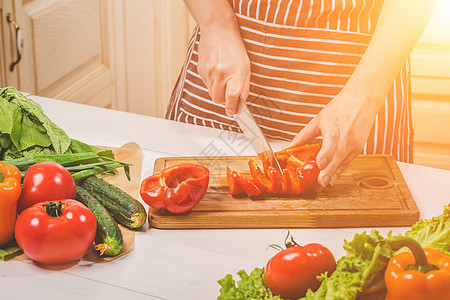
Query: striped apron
column 302, row 53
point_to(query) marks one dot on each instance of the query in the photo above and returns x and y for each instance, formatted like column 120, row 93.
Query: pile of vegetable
column 299, row 173
column 413, row 266
column 55, row 186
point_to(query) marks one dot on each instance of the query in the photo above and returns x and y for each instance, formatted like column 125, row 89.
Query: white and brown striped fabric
column 302, row 53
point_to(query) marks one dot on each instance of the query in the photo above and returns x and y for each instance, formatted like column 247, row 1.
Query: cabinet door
column 7, row 44
column 69, row 50
column 2, row 45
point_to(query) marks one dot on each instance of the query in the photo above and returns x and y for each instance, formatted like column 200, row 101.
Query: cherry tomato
column 46, row 181
column 291, row 272
column 56, row 232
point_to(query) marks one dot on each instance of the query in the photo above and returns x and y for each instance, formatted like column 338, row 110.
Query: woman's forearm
column 212, row 15
column 400, row 25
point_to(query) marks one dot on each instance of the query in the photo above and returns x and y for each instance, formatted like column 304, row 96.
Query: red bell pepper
column 422, row 274
column 177, row 189
column 300, row 163
column 299, row 168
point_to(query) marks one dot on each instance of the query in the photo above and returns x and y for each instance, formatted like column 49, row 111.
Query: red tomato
column 293, row 271
column 46, row 181
column 54, row 238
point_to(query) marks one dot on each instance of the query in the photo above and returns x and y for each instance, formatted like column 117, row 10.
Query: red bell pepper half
column 300, row 173
column 177, row 189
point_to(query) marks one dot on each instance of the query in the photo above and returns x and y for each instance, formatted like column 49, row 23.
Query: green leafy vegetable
column 26, row 131
column 433, row 233
column 251, row 286
column 25, row 126
column 28, row 136
column 363, row 266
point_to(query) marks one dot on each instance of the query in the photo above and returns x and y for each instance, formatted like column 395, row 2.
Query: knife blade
column 254, row 134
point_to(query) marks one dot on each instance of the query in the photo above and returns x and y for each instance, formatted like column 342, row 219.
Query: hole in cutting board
column 375, row 182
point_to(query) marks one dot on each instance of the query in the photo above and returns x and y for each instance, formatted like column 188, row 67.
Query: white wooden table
column 179, row 264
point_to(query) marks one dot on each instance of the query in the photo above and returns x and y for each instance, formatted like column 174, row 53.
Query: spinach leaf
column 27, row 125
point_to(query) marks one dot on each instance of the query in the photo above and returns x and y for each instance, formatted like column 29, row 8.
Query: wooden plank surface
column 371, row 192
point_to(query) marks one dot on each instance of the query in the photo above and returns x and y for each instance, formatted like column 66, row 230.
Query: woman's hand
column 345, row 125
column 224, row 66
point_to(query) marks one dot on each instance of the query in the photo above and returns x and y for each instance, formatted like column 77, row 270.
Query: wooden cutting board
column 371, row 192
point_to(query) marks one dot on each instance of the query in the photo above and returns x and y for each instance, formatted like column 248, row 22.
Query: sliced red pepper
column 286, row 187
column 271, row 174
column 261, row 181
column 274, row 178
column 300, row 172
column 177, row 189
column 250, row 186
column 234, row 182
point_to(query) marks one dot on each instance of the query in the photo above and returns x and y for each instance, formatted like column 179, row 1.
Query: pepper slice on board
column 235, row 182
column 299, row 168
column 9, row 195
column 178, row 188
column 422, row 274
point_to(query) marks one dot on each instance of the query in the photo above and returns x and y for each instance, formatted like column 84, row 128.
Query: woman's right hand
column 223, row 65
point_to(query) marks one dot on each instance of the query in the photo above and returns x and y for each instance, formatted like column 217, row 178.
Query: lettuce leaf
column 434, row 232
column 363, row 266
column 251, row 286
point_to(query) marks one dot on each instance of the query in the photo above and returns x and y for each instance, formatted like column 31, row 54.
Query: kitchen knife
column 254, row 134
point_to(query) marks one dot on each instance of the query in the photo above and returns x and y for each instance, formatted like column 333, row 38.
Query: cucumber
column 108, row 239
column 124, row 208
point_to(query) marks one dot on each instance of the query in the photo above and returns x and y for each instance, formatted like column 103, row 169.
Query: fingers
column 217, row 91
column 233, row 90
column 224, row 67
column 226, row 90
column 330, row 145
column 308, row 133
column 333, row 170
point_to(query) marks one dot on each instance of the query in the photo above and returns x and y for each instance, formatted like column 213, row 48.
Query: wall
column 430, row 80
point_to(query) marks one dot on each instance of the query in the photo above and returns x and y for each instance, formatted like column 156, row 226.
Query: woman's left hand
column 344, row 125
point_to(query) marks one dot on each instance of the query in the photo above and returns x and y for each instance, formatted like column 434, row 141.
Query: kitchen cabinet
column 7, row 48
column 72, row 49
column 119, row 54
column 2, row 68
